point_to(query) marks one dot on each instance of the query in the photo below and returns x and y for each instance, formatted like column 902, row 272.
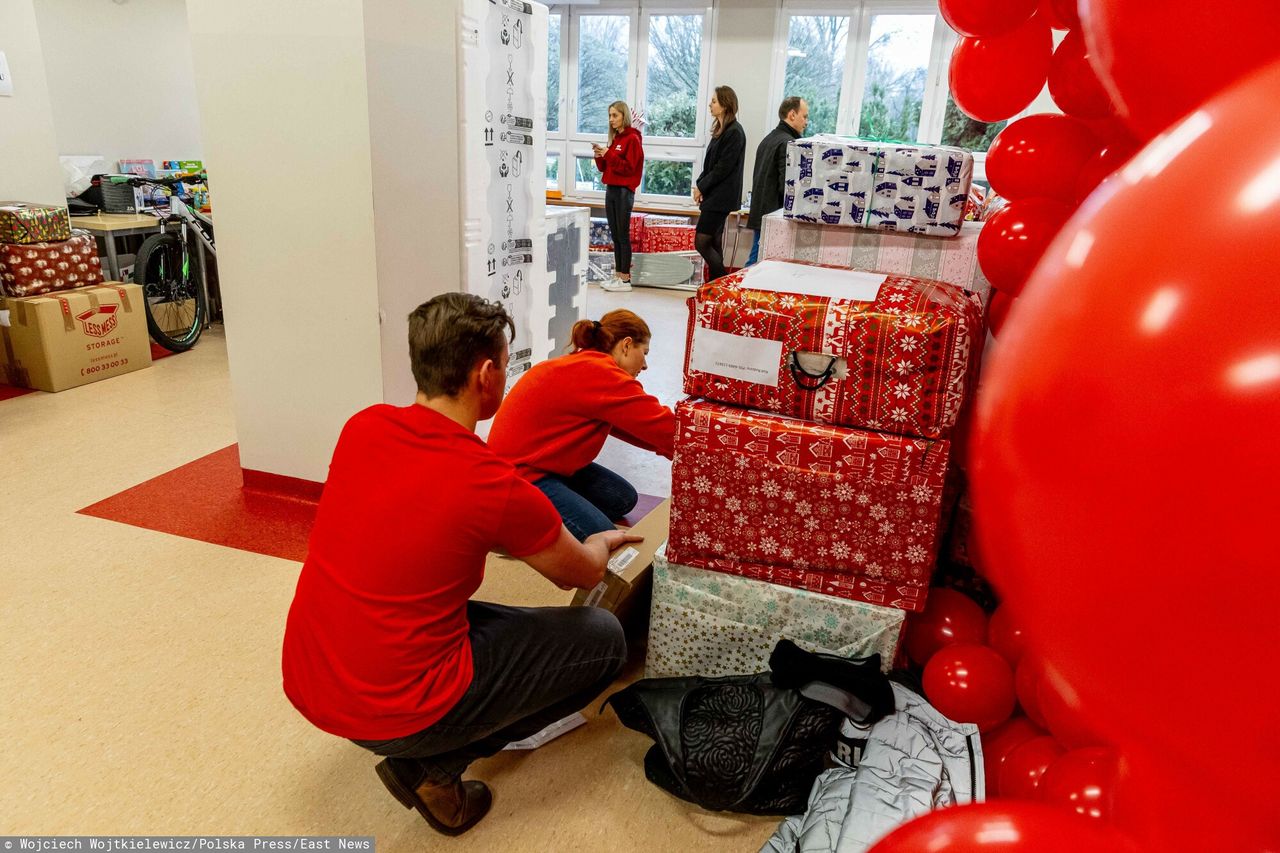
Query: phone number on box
column 98, row 368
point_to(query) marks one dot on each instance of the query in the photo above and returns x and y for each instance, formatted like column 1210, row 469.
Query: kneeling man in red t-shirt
column 383, row 644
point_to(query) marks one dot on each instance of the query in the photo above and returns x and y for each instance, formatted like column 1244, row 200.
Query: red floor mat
column 206, row 500
column 8, row 392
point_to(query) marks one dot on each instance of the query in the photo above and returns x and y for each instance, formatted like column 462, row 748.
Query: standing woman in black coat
column 718, row 190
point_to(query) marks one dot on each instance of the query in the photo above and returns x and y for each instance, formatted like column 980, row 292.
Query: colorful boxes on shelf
column 954, row 261
column 713, row 624
column 844, row 512
column 921, row 189
column 835, row 346
column 23, row 224
column 36, row 268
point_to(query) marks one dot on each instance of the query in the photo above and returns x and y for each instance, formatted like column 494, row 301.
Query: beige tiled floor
column 141, row 671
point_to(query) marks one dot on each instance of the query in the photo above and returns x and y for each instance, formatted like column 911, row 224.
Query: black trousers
column 618, row 202
column 533, row 666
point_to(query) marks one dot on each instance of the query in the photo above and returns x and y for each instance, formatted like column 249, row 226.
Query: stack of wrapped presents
column 662, row 251
column 62, row 327
column 813, row 460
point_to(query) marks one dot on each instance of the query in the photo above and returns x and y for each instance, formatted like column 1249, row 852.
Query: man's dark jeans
column 533, row 666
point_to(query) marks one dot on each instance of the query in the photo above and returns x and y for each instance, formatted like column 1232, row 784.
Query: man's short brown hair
column 789, row 105
column 449, row 334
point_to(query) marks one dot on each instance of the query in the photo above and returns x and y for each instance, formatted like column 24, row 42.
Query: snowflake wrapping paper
column 954, row 261
column 855, row 183
column 844, row 512
column 903, row 351
column 713, row 624
column 666, row 237
column 36, row 268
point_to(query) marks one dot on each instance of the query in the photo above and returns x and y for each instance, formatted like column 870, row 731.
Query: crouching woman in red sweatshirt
column 555, row 420
column 621, row 160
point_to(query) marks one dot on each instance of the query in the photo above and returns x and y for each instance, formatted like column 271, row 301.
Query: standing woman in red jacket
column 621, row 161
column 555, row 420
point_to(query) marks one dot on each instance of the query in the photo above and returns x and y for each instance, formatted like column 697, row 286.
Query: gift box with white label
column 844, row 512
column 836, row 346
column 713, row 624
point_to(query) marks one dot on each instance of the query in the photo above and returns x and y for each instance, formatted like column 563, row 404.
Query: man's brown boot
column 450, row 805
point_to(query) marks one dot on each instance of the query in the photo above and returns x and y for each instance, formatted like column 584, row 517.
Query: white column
column 29, row 169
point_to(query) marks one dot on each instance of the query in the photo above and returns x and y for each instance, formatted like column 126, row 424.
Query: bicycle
column 174, row 298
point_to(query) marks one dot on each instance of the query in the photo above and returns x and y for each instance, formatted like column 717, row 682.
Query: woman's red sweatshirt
column 557, row 416
column 623, row 163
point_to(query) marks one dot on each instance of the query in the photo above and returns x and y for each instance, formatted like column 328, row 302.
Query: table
column 109, row 226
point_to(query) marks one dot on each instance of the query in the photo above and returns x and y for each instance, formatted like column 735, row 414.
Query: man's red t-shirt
column 376, row 642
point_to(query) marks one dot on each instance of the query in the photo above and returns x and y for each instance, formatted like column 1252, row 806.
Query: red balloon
column 995, row 78
column 1027, row 678
column 1073, row 83
column 1082, row 781
column 1003, row 827
column 948, row 617
column 1041, row 155
column 1011, row 242
column 1025, row 764
column 1102, row 166
column 1059, row 705
column 998, row 306
column 1151, row 330
column 999, row 742
column 1061, row 14
column 970, row 683
column 1005, row 636
column 1145, row 52
column 986, row 17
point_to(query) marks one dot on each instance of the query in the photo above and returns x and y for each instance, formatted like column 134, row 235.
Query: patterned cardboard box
column 24, row 223
column 36, row 268
column 713, row 624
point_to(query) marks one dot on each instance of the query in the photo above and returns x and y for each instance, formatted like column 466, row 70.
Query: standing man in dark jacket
column 718, row 189
column 769, row 178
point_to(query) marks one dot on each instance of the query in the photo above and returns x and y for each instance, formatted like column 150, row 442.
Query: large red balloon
column 1027, row 678
column 1160, row 59
column 1073, row 84
column 1100, row 167
column 1005, row 635
column 948, row 617
column 970, row 683
column 999, row 742
column 1003, row 827
column 1059, row 704
column 998, row 306
column 1082, row 781
column 1158, row 332
column 1061, row 14
column 1025, row 764
column 1012, row 242
column 986, row 17
column 995, row 78
column 1041, row 155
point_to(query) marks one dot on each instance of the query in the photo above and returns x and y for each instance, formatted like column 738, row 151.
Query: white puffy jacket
column 915, row 761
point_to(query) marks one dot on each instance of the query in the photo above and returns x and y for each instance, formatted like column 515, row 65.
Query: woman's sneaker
column 616, row 285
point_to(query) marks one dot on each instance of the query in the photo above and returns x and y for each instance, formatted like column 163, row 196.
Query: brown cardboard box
column 630, row 568
column 74, row 337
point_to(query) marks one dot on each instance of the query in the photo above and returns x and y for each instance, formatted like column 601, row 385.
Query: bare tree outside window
column 675, row 64
column 815, row 66
column 964, row 132
column 586, row 176
column 553, row 171
column 897, row 65
column 603, row 48
column 553, row 74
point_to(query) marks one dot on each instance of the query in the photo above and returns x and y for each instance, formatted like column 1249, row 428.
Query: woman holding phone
column 621, row 161
column 718, row 190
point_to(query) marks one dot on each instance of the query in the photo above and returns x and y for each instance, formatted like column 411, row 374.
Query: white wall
column 120, row 78
column 29, row 168
column 744, row 42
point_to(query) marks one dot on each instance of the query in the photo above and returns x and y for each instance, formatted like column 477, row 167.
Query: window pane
column 675, row 61
column 602, row 68
column 553, row 75
column 667, row 177
column 587, row 176
column 897, row 62
column 960, row 130
column 815, row 66
column 553, row 171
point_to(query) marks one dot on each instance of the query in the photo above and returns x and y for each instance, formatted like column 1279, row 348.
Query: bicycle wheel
column 174, row 298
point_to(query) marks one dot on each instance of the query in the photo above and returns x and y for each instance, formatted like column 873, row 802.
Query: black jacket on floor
column 721, row 180
column 770, row 173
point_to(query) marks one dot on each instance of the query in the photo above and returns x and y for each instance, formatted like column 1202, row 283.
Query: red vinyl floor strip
column 206, row 500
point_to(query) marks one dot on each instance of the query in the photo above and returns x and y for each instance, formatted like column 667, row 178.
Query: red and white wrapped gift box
column 638, row 232
column 37, row 268
column 836, row 346
column 668, row 238
column 845, row 512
